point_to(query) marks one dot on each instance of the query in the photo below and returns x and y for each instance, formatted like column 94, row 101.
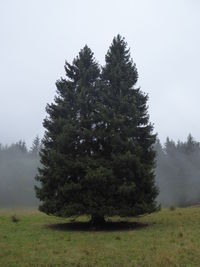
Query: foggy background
column 177, row 173
column 36, row 39
column 18, row 167
column 38, row 36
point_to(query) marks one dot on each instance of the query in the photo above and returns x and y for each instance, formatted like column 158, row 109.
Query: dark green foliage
column 97, row 154
column 129, row 137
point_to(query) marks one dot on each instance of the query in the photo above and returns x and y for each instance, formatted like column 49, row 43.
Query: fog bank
column 177, row 173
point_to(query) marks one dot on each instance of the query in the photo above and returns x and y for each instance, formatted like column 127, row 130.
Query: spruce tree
column 129, row 138
column 35, row 148
column 68, row 155
column 97, row 156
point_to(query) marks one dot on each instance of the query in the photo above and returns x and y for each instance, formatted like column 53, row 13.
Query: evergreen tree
column 69, row 146
column 20, row 146
column 191, row 145
column 129, row 140
column 170, row 147
column 35, row 148
column 97, row 155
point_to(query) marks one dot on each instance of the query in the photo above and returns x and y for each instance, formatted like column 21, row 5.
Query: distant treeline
column 18, row 166
column 177, row 173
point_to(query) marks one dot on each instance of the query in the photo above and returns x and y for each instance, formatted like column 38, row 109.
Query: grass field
column 166, row 238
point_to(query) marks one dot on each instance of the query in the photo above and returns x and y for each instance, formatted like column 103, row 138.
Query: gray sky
column 37, row 36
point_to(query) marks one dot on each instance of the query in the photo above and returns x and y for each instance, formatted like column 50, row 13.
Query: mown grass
column 172, row 238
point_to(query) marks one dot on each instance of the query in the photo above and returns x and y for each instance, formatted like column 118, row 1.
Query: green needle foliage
column 97, row 156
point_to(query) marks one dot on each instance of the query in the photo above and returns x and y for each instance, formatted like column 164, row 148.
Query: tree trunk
column 97, row 220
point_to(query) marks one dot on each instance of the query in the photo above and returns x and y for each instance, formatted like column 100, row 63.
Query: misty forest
column 177, row 173
column 96, row 132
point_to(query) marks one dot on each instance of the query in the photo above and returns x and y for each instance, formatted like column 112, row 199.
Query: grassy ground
column 172, row 238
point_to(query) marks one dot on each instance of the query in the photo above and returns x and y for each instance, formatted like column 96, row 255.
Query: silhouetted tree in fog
column 36, row 146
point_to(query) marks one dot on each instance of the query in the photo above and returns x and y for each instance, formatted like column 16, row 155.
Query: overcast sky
column 37, row 36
